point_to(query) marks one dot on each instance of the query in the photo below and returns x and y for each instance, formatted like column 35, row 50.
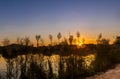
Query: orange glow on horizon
column 88, row 40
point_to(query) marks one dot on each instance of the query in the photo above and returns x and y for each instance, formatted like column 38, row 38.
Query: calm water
column 14, row 66
column 2, row 67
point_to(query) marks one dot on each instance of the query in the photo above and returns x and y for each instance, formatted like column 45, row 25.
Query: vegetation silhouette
column 22, row 62
column 59, row 37
column 51, row 38
column 78, row 36
column 37, row 39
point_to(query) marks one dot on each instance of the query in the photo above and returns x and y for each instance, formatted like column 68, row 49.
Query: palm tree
column 78, row 36
column 59, row 36
column 51, row 38
column 70, row 39
column 37, row 39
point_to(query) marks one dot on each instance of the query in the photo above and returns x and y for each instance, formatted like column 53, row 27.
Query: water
column 12, row 68
column 2, row 67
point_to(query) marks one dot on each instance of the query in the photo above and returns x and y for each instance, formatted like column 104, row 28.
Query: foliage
column 71, row 64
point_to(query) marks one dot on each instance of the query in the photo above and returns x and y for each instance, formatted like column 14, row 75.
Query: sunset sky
column 30, row 17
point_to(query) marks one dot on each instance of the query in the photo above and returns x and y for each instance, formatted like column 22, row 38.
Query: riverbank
column 72, row 61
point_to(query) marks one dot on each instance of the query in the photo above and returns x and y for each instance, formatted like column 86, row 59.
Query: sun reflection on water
column 88, row 59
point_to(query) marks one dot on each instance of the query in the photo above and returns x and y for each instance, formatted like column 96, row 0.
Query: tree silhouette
column 104, row 41
column 117, row 40
column 20, row 41
column 26, row 41
column 6, row 42
column 70, row 39
column 78, row 36
column 51, row 38
column 99, row 38
column 64, row 42
column 37, row 39
column 59, row 37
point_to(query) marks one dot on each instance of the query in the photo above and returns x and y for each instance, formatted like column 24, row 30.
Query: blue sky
column 30, row 17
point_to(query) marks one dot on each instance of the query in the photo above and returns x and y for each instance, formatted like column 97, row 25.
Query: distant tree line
column 40, row 42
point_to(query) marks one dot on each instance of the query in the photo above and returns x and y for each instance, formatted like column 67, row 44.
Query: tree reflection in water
column 38, row 66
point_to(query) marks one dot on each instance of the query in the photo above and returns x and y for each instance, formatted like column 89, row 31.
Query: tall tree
column 59, row 37
column 71, row 39
column 37, row 39
column 78, row 36
column 51, row 38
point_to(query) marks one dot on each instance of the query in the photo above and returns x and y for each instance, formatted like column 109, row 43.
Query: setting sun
column 59, row 39
column 80, row 43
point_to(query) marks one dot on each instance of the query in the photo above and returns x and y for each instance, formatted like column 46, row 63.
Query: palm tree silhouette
column 37, row 39
column 78, row 36
column 59, row 37
column 70, row 39
column 51, row 38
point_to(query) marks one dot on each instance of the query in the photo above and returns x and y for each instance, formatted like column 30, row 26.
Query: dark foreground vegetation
column 22, row 64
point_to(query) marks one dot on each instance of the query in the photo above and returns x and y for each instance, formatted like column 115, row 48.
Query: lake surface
column 13, row 68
